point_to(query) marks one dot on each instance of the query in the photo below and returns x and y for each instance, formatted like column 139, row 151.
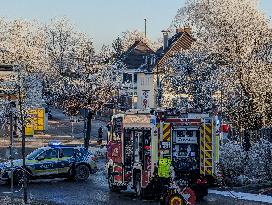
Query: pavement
column 60, row 125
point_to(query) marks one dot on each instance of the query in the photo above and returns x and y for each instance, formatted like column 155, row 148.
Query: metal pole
column 85, row 130
column 11, row 154
column 72, row 128
column 145, row 27
column 23, row 147
column 158, row 88
column 221, row 110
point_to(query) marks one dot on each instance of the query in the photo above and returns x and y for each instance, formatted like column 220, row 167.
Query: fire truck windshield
column 185, row 149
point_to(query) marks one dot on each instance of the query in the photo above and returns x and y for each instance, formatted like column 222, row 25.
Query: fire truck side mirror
column 108, row 127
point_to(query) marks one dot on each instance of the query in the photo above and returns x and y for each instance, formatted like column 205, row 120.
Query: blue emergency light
column 54, row 143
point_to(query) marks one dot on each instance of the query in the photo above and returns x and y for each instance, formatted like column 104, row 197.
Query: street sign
column 186, row 140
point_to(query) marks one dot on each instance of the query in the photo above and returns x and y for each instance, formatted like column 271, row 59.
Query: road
column 95, row 192
column 60, row 125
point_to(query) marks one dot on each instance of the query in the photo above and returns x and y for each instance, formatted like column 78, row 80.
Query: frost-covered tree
column 22, row 43
column 260, row 157
column 4, row 111
column 78, row 77
column 232, row 159
column 255, row 164
column 72, row 75
column 237, row 49
column 191, row 75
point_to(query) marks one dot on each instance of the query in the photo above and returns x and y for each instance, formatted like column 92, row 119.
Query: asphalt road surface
column 95, row 191
column 60, row 125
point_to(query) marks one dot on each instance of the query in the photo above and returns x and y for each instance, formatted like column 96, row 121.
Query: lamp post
column 23, row 145
column 11, row 157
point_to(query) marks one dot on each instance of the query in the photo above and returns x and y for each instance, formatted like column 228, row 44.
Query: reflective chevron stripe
column 206, row 152
column 167, row 132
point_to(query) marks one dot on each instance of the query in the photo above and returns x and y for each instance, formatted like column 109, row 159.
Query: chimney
column 186, row 29
column 179, row 30
column 165, row 39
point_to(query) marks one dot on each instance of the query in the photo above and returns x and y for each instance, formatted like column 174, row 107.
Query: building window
column 127, row 77
column 135, row 77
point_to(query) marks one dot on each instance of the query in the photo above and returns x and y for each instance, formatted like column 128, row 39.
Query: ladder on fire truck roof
column 209, row 145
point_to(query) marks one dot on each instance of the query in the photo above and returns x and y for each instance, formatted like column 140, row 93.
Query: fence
column 264, row 133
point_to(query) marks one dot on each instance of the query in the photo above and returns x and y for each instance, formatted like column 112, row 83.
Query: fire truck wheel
column 138, row 189
column 190, row 196
column 82, row 173
column 112, row 187
column 173, row 199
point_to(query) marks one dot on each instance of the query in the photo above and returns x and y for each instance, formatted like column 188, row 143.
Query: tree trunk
column 88, row 130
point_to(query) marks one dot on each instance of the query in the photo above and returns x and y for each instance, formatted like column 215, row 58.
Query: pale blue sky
column 103, row 20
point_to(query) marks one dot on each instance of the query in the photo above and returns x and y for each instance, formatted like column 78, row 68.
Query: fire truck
column 154, row 151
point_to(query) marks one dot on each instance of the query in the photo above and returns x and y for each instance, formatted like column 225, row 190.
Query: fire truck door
column 137, row 151
column 128, row 153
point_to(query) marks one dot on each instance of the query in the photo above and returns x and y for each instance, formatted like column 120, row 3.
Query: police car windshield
column 34, row 154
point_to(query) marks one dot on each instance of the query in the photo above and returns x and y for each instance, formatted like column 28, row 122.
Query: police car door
column 65, row 160
column 47, row 163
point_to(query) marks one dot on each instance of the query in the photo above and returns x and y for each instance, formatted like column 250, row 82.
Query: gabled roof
column 134, row 56
column 180, row 41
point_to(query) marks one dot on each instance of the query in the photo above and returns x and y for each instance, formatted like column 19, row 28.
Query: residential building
column 142, row 62
column 134, row 58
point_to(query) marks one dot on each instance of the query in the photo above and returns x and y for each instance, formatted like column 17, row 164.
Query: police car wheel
column 82, row 173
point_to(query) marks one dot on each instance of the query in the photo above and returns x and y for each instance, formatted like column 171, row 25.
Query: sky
column 103, row 20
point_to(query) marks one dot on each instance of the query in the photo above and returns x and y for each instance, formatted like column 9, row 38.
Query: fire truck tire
column 173, row 199
column 113, row 188
column 138, row 189
column 191, row 196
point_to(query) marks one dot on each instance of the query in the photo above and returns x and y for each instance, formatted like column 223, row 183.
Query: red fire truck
column 154, row 151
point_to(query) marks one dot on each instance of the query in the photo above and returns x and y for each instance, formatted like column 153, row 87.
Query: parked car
column 53, row 161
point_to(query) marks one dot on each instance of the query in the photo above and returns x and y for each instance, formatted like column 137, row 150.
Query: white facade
column 145, row 91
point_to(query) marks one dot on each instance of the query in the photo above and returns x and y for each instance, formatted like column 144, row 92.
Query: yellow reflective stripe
column 49, row 160
column 208, row 147
column 31, row 161
column 208, row 129
column 208, row 163
column 64, row 158
column 44, row 170
column 65, row 169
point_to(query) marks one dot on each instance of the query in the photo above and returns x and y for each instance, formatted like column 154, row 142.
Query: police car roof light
column 54, row 143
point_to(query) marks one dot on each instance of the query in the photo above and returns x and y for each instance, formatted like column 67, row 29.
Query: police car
column 52, row 161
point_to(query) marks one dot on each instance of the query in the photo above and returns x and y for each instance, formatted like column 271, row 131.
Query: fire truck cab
column 147, row 148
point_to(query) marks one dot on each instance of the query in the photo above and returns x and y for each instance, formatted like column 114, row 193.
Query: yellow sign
column 38, row 117
column 29, row 128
